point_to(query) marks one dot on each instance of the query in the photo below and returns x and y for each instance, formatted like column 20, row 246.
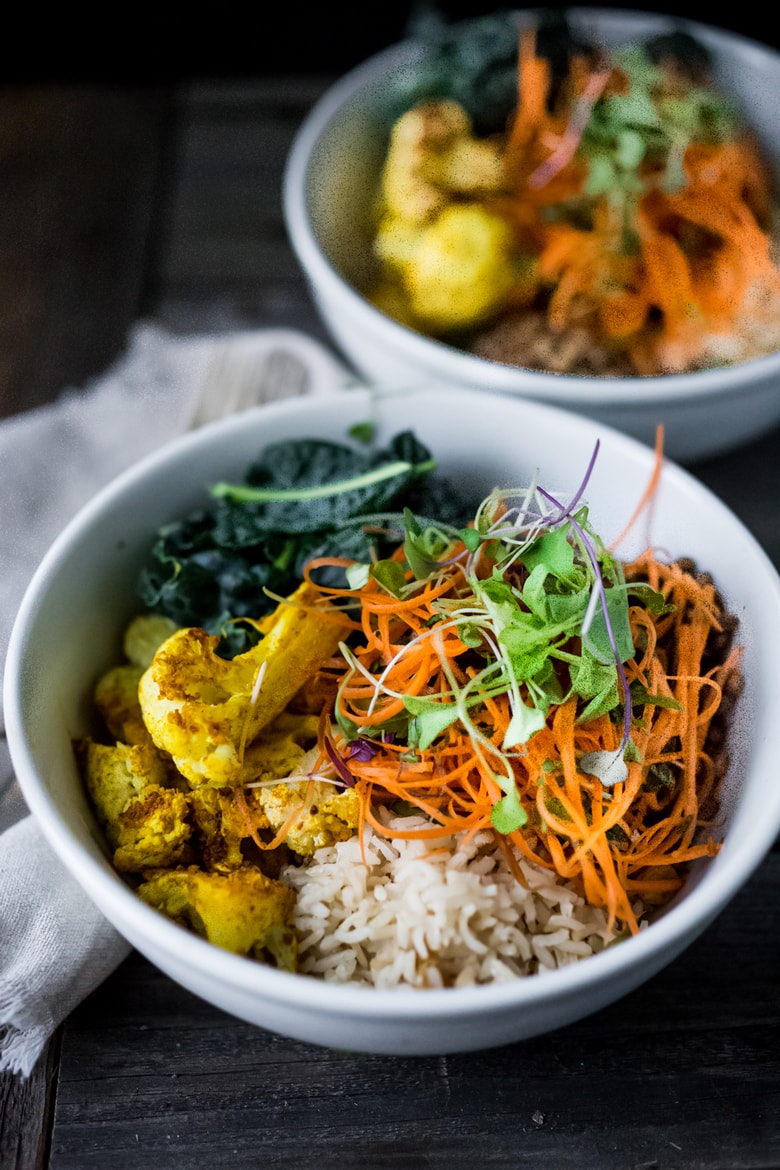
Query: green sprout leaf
column 508, row 814
column 363, row 432
column 471, row 538
column 641, row 697
column 390, row 575
column 357, row 575
column 523, row 725
column 430, row 718
column 423, row 547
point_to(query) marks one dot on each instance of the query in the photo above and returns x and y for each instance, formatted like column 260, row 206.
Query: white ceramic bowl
column 331, row 179
column 69, row 630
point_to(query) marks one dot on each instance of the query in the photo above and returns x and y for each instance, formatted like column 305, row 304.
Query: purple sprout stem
column 594, row 560
column 339, row 764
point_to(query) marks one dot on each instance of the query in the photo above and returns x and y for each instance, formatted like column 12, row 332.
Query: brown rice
column 435, row 914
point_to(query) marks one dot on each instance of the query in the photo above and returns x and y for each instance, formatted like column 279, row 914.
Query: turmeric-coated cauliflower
column 243, row 911
column 144, row 816
column 447, row 261
column 116, row 691
column 144, row 636
column 432, row 156
column 463, row 269
column 221, row 827
column 154, row 831
column 280, row 747
column 116, row 698
column 326, row 814
column 225, row 823
column 206, row 710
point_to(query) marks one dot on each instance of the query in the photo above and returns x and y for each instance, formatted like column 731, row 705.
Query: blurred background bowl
column 330, row 187
column 69, row 631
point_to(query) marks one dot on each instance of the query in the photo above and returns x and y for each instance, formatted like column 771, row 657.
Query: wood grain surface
column 163, row 203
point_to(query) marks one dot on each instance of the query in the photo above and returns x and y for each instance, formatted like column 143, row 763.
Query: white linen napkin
column 55, row 946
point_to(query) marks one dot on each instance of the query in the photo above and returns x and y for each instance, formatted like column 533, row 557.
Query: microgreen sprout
column 541, row 606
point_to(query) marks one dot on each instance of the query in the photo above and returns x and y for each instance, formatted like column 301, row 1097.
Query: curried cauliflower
column 145, row 818
column 243, row 911
column 191, row 793
column 154, row 831
column 204, row 710
column 327, row 814
column 432, row 156
column 220, row 826
column 280, row 748
column 463, row 269
column 448, row 262
column 144, row 636
column 116, row 691
column 116, row 698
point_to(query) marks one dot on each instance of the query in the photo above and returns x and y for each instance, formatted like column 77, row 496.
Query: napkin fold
column 55, row 946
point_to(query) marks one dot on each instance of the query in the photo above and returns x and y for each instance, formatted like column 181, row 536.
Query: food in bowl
column 68, row 634
column 482, row 747
column 551, row 203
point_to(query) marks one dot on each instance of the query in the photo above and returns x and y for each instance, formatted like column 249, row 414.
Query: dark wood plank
column 81, row 171
column 682, row 1074
column 26, row 1111
column 225, row 259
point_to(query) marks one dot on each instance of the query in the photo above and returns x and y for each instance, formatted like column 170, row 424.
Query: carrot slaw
column 605, row 772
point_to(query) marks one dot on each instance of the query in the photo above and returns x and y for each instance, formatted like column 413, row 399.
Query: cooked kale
column 215, row 564
column 474, row 62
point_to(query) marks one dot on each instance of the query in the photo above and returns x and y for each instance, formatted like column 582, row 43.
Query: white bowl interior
column 69, row 630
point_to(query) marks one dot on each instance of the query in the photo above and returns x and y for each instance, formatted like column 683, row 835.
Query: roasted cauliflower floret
column 116, row 774
column 225, row 826
column 279, row 749
column 204, row 710
column 145, row 819
column 116, row 692
column 464, row 269
column 448, row 263
column 396, row 243
column 327, row 814
column 432, row 156
column 221, row 826
column 154, row 831
column 116, row 698
column 243, row 911
column 144, row 636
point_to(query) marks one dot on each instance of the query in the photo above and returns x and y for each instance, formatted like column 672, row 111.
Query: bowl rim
column 438, row 358
column 154, row 935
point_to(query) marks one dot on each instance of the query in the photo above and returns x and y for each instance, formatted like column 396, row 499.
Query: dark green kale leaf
column 474, row 62
column 305, row 466
column 215, row 565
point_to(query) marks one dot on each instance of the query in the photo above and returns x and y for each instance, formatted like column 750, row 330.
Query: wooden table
column 164, row 204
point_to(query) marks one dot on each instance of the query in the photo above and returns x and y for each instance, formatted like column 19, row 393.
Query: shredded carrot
column 654, row 273
column 649, row 494
column 621, row 845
